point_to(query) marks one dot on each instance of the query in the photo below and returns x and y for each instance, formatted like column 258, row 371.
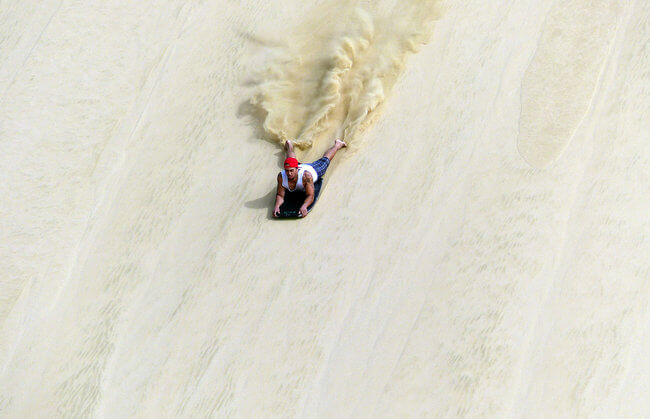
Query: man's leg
column 288, row 146
column 338, row 144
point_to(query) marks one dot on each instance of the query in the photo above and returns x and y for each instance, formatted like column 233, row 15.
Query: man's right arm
column 279, row 196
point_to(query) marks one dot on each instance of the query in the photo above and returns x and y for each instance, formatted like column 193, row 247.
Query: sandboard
column 290, row 208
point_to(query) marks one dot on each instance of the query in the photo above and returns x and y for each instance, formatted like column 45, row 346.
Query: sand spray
column 331, row 75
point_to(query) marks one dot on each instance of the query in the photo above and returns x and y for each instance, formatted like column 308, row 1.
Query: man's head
column 291, row 167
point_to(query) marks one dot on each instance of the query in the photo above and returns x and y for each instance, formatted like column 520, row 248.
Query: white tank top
column 301, row 172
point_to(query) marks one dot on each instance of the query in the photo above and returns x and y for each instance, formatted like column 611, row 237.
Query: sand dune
column 479, row 250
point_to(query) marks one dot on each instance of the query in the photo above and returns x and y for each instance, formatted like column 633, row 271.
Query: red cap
column 290, row 162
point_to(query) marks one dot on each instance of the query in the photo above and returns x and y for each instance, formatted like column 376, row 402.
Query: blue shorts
column 320, row 166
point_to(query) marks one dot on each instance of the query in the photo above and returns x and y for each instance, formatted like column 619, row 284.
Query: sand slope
column 481, row 250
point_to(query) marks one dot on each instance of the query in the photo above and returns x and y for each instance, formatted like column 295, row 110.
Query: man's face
column 292, row 173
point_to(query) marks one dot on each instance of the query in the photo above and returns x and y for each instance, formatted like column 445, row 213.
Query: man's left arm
column 308, row 182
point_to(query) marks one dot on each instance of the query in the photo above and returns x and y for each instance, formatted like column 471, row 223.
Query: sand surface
column 479, row 250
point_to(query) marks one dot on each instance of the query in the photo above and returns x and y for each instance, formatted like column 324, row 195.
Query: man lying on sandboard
column 299, row 184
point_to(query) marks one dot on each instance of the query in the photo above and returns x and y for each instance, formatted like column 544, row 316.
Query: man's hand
column 279, row 197
column 308, row 182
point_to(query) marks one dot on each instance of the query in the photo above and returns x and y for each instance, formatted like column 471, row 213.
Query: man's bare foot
column 338, row 144
column 288, row 146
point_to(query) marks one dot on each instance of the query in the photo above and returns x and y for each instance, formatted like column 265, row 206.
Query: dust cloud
column 331, row 80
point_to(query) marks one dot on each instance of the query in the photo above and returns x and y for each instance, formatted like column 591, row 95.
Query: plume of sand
column 334, row 72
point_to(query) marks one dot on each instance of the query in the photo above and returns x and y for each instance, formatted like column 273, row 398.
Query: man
column 301, row 177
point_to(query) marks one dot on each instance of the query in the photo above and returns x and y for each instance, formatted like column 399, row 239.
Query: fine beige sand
column 481, row 248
